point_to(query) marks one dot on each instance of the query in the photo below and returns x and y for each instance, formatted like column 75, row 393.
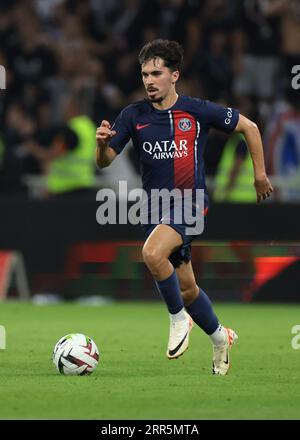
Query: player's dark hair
column 169, row 51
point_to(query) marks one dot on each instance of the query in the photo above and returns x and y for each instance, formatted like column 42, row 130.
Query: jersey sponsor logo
column 229, row 116
column 140, row 126
column 184, row 124
column 166, row 149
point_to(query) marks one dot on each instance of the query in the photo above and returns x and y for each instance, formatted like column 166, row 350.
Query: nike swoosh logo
column 226, row 362
column 171, row 352
column 140, row 126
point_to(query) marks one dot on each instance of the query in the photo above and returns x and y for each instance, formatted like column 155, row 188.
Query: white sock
column 180, row 316
column 219, row 337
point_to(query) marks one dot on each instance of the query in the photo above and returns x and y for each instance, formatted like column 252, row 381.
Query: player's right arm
column 104, row 153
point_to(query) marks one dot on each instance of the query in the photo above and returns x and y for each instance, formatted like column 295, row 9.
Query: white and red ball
column 75, row 355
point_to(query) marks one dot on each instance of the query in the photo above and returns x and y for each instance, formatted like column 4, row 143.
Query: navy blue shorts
column 183, row 254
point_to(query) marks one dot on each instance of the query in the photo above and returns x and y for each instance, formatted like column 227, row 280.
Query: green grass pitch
column 134, row 379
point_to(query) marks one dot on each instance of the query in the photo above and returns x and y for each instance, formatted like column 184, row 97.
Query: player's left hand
column 263, row 188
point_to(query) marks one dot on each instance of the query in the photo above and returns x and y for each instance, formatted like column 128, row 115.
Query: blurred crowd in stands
column 71, row 63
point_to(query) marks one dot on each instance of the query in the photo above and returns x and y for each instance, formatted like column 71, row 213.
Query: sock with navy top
column 170, row 292
column 202, row 313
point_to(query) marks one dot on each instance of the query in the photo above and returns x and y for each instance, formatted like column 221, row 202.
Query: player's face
column 158, row 79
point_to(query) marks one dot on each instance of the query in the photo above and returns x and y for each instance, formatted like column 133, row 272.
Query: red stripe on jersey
column 185, row 132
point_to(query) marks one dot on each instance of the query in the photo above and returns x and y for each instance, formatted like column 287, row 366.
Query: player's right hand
column 104, row 134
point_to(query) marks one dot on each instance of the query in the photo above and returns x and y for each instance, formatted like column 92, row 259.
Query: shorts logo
column 184, row 124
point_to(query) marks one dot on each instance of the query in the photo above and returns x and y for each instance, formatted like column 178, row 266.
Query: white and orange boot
column 221, row 361
column 179, row 337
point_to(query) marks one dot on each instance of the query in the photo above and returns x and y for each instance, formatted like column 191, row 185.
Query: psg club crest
column 184, row 124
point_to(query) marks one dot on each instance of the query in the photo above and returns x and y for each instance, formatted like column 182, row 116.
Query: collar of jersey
column 167, row 109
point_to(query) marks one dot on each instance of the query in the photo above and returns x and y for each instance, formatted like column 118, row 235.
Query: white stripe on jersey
column 171, row 122
column 195, row 152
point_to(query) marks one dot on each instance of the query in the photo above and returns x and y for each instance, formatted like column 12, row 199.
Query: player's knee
column 190, row 294
column 152, row 257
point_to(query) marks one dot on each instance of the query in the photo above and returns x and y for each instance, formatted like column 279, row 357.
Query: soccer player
column 169, row 133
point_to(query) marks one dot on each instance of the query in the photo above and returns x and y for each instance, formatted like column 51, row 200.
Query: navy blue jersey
column 170, row 143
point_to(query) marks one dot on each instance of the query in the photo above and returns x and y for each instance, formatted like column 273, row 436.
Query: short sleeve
column 123, row 135
column 219, row 117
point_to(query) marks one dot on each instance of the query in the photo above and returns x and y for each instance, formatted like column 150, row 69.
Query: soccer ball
column 75, row 355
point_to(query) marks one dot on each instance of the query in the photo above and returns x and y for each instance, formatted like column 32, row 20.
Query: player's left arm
column 252, row 135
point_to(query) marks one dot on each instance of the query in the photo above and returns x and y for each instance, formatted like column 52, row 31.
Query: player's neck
column 167, row 103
